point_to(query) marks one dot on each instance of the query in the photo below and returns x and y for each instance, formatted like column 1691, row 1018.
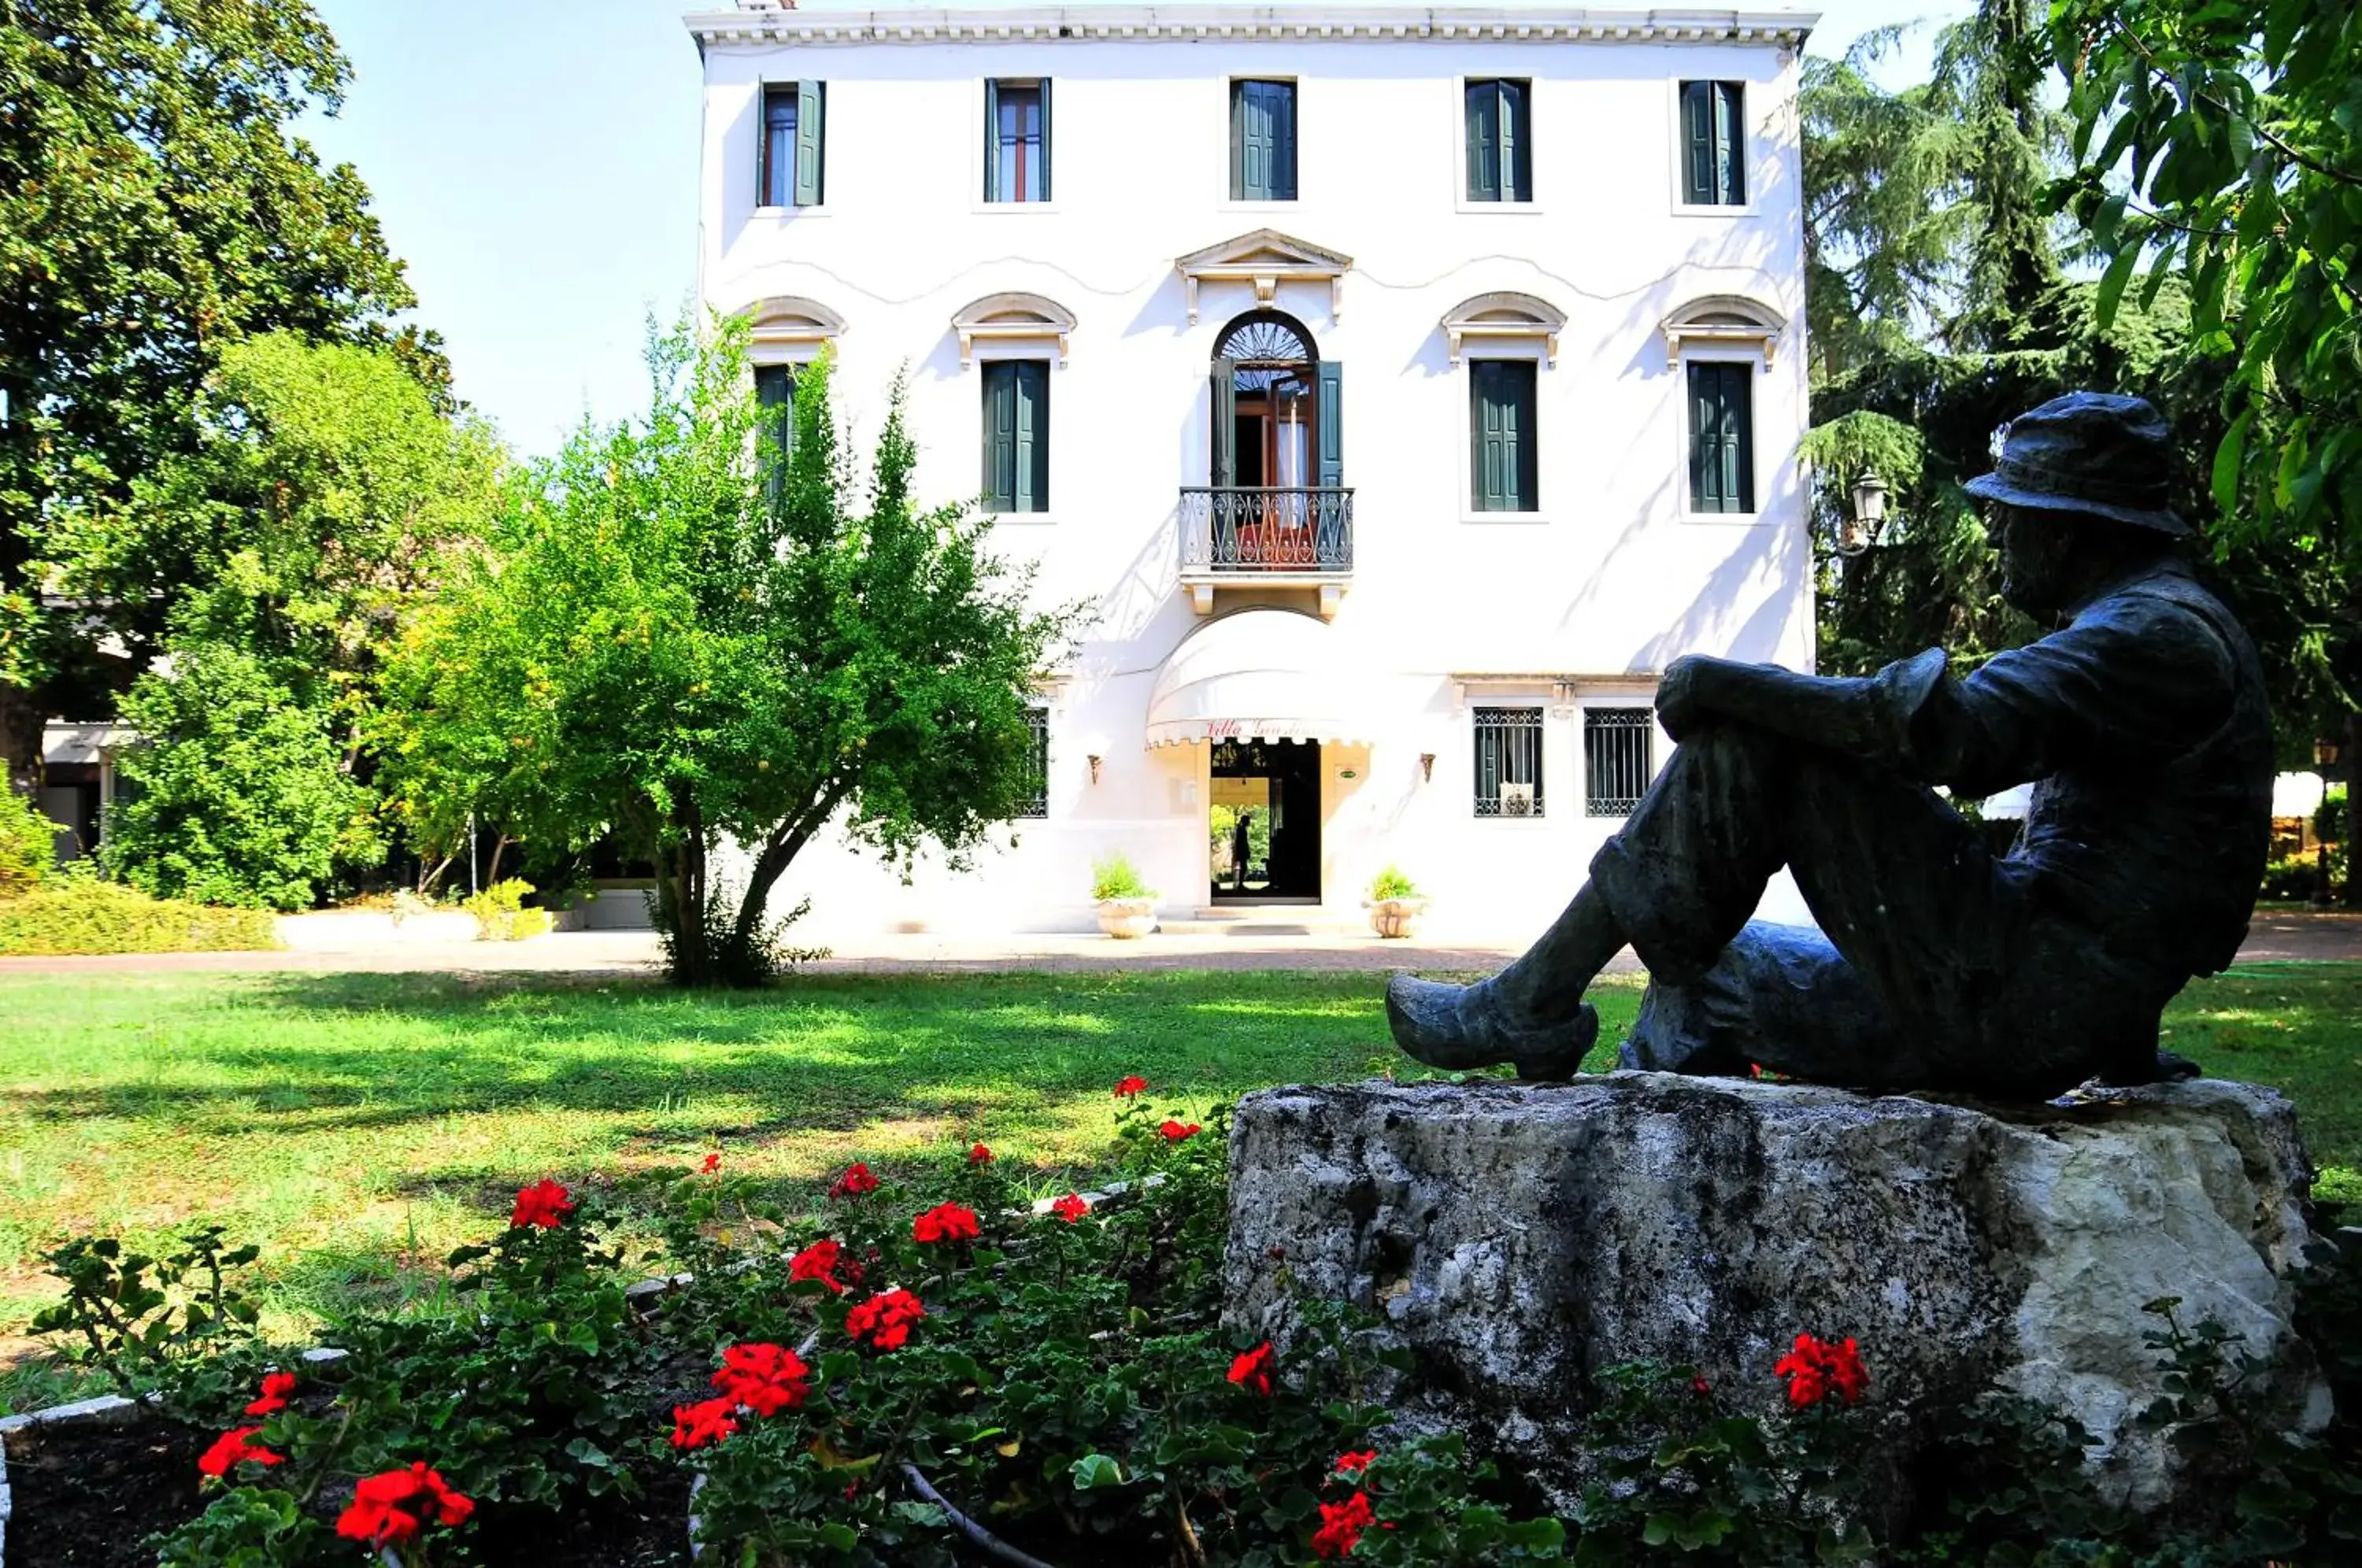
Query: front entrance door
column 1264, row 828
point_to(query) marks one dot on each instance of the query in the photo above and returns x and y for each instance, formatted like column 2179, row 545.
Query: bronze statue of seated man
column 2140, row 720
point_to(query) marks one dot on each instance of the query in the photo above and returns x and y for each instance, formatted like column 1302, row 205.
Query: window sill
column 1532, row 819
column 1730, row 519
column 1045, row 207
column 1523, row 209
column 1541, row 517
column 1740, row 210
column 1031, row 519
column 1286, row 205
column 820, row 211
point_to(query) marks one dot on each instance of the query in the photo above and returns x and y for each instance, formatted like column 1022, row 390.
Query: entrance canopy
column 1257, row 675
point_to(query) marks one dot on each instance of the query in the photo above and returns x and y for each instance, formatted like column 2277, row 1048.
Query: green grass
column 360, row 1126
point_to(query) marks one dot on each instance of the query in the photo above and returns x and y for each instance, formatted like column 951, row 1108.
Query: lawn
column 360, row 1126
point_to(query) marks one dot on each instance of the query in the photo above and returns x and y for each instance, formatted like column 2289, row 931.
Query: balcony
column 1267, row 536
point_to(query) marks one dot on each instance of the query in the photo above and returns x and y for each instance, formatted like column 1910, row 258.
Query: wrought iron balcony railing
column 1294, row 530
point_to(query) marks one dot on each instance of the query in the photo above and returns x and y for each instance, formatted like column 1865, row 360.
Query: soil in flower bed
column 647, row 1531
column 88, row 1496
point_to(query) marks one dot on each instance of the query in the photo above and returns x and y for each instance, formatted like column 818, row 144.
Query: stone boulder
column 1518, row 1237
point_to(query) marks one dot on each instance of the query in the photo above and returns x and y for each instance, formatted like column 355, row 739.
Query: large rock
column 1518, row 1237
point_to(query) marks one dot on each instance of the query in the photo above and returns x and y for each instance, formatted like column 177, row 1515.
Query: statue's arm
column 1869, row 717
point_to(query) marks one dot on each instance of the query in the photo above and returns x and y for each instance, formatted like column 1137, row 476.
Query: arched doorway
column 1276, row 443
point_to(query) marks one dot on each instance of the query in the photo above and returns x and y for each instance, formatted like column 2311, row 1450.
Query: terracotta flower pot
column 1128, row 918
column 1395, row 917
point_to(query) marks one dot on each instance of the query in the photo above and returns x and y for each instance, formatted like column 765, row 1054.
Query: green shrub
column 1113, row 878
column 2329, row 817
column 1391, row 883
column 68, row 914
column 240, row 794
column 2296, row 878
column 28, row 843
column 501, row 914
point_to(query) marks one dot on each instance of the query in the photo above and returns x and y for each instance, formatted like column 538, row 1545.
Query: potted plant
column 1395, row 905
column 1127, row 906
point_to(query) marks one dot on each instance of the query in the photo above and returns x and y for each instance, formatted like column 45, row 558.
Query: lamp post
column 2324, row 757
column 1856, row 532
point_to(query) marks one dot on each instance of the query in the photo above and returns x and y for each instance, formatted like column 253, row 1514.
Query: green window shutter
column 775, row 158
column 999, row 435
column 1706, row 434
column 1029, row 456
column 1738, row 434
column 1328, row 416
column 1730, row 143
column 1697, row 143
column 1501, row 431
column 1525, row 436
column 1722, row 438
column 1517, row 143
column 1224, row 470
column 812, row 111
column 1283, row 156
column 1484, row 141
column 1046, row 139
column 991, row 140
column 1239, row 156
column 774, row 392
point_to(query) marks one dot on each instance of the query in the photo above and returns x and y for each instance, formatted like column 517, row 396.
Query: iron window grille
column 1508, row 762
column 1617, row 744
column 1036, row 803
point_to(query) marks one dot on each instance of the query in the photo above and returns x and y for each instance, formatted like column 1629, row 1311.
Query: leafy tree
column 2221, row 147
column 154, row 208
column 691, row 647
column 239, row 797
column 27, row 842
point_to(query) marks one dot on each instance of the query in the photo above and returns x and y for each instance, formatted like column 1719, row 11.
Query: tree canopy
column 681, row 636
column 155, row 207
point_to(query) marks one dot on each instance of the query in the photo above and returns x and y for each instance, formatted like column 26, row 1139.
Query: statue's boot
column 1459, row 1027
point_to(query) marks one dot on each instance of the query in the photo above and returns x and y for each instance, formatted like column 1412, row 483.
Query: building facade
column 1403, row 387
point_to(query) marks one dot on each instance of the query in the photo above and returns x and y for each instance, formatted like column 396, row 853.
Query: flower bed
column 963, row 1374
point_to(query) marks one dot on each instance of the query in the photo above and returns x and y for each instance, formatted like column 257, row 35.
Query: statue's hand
column 1680, row 697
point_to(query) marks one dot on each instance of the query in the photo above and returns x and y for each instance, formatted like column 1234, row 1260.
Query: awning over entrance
column 1257, row 675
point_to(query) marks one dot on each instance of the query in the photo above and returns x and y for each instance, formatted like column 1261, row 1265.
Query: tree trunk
column 2350, row 754
column 680, row 899
column 21, row 721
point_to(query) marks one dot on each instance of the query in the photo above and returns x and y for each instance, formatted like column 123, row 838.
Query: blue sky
column 535, row 163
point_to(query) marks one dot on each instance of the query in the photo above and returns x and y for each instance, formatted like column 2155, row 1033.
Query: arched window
column 1266, row 397
column 1264, row 344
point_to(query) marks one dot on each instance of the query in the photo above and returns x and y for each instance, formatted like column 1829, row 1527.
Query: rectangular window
column 774, row 390
column 1713, row 144
column 1722, row 437
column 794, row 113
column 1508, row 762
column 1017, row 141
column 1263, row 141
column 1037, row 797
column 1017, row 436
column 1500, row 142
column 1503, row 437
column 1617, row 764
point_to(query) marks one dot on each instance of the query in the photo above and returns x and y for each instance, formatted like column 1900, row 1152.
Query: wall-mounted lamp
column 1095, row 767
column 1856, row 532
column 1427, row 766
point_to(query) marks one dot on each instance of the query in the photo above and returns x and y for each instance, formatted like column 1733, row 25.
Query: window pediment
column 1012, row 316
column 1506, row 315
column 1722, row 319
column 789, row 326
column 1264, row 258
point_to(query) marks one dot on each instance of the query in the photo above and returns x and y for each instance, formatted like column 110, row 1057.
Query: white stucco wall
column 1610, row 579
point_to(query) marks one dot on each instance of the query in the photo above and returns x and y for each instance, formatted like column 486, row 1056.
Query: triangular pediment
column 1266, row 247
column 1265, row 258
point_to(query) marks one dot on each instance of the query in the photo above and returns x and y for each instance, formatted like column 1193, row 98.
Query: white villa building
column 1403, row 385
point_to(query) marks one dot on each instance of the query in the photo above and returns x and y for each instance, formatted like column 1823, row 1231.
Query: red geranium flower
column 855, row 1181
column 765, row 1378
column 885, row 1319
column 1071, row 1207
column 712, row 1163
column 819, row 1262
column 1342, row 1525
column 979, row 1155
column 545, row 1204
column 1817, row 1368
column 1355, row 1463
column 945, row 1222
column 395, row 1506
column 232, row 1449
column 1174, row 1131
column 276, row 1387
column 1252, row 1370
column 1126, row 1088
column 708, row 1421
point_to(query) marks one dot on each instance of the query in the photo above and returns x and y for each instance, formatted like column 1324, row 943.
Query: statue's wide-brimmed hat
column 2089, row 452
